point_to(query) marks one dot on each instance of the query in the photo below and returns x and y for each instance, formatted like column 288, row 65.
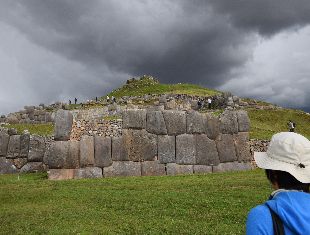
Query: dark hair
column 285, row 180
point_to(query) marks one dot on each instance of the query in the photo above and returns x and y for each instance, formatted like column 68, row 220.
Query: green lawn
column 46, row 129
column 197, row 204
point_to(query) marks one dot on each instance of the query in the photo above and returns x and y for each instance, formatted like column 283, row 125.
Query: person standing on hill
column 209, row 103
column 291, row 126
column 287, row 167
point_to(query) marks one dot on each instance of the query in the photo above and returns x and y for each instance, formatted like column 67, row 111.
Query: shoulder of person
column 259, row 221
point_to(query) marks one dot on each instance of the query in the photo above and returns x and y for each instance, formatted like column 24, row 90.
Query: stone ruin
column 153, row 142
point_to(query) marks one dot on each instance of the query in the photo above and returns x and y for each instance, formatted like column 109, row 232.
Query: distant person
column 108, row 98
column 199, row 104
column 287, row 167
column 75, row 100
column 291, row 126
column 70, row 102
column 209, row 103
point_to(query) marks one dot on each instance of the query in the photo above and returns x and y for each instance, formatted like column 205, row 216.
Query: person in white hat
column 287, row 166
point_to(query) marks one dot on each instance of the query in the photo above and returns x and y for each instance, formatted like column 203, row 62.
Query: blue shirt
column 293, row 208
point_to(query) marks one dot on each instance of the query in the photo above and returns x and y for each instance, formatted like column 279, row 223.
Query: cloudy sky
column 55, row 50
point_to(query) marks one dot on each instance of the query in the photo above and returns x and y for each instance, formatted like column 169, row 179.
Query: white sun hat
column 288, row 152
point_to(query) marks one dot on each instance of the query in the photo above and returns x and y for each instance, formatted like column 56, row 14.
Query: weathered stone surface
column 229, row 122
column 196, row 123
column 171, row 104
column 175, row 122
column 206, row 151
column 87, row 151
column 134, row 118
column 226, row 148
column 32, row 167
column 14, row 146
column 12, row 131
column 24, row 145
column 19, row 162
column 149, row 168
column 61, row 174
column 63, row 124
column 185, row 149
column 12, row 119
column 119, row 152
column 103, row 151
column 175, row 169
column 6, row 167
column 155, row 123
column 166, row 148
column 4, row 142
column 57, row 154
column 88, row 172
column 213, row 127
column 140, row 145
column 242, row 146
column 243, row 121
column 73, row 159
column 36, row 148
column 126, row 168
column 202, row 169
column 232, row 166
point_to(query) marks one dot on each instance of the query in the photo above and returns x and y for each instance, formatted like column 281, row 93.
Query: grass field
column 38, row 129
column 197, row 204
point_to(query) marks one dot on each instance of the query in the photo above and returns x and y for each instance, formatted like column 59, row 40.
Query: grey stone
column 4, row 142
column 196, row 123
column 155, row 123
column 32, row 167
column 6, row 167
column 206, row 151
column 61, row 174
column 19, row 162
column 12, row 131
column 185, row 149
column 232, row 166
column 202, row 169
column 103, row 151
column 12, row 119
column 226, row 148
column 88, row 172
column 242, row 146
column 166, row 148
column 150, row 168
column 243, row 121
column 175, row 122
column 126, row 168
column 229, row 122
column 175, row 169
column 24, row 145
column 119, row 152
column 14, row 146
column 57, row 154
column 63, row 124
column 36, row 148
column 213, row 127
column 87, row 151
column 140, row 145
column 134, row 118
column 171, row 104
column 73, row 159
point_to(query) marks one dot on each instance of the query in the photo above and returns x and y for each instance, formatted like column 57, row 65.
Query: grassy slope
column 38, row 129
column 197, row 204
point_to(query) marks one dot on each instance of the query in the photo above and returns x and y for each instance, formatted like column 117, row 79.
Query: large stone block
column 243, row 121
column 134, row 118
column 196, row 123
column 63, row 124
column 206, row 151
column 4, row 142
column 140, row 145
column 229, row 122
column 175, row 169
column 175, row 122
column 119, row 152
column 57, row 154
column 242, row 146
column 88, row 172
column 87, row 151
column 202, row 169
column 73, row 159
column 213, row 127
column 6, row 166
column 20, row 162
column 185, row 149
column 61, row 174
column 226, row 148
column 103, row 151
column 155, row 123
column 33, row 167
column 14, row 146
column 24, row 145
column 149, row 168
column 36, row 148
column 126, row 168
column 232, row 166
column 166, row 148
